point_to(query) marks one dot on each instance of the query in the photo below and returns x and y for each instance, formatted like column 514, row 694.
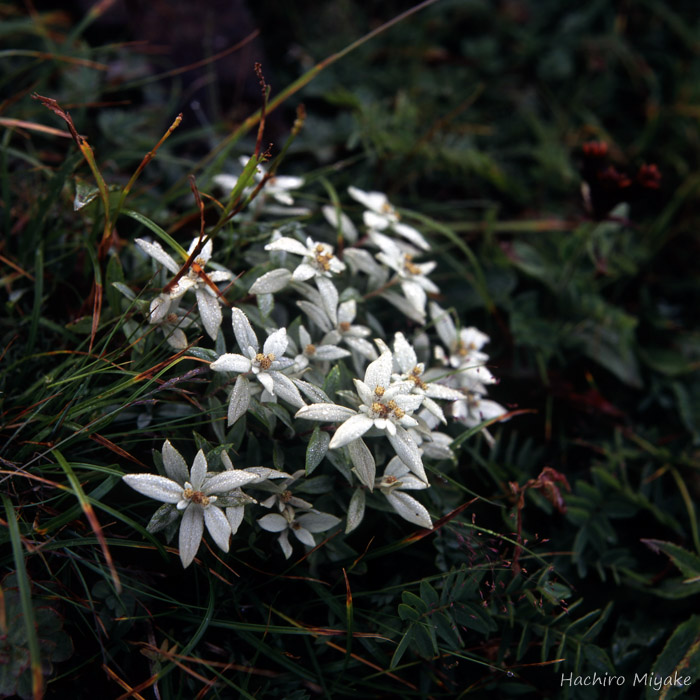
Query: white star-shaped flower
column 411, row 276
column 264, row 366
column 381, row 215
column 342, row 329
column 310, row 352
column 383, row 405
column 193, row 492
column 288, row 519
column 464, row 346
column 235, row 502
column 317, row 258
column 277, row 187
column 408, row 369
column 474, row 409
column 397, row 478
column 202, row 283
column 340, row 221
column 302, row 526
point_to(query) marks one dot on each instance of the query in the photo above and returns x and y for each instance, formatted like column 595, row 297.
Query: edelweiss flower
column 287, row 519
column 466, row 356
column 278, row 187
column 384, row 406
column 464, row 348
column 411, row 275
column 474, row 409
column 236, row 501
column 301, row 525
column 208, row 301
column 408, row 369
column 431, row 443
column 340, row 221
column 265, row 366
column 381, row 215
column 318, row 258
column 397, row 477
column 342, row 330
column 171, row 325
column 314, row 352
column 193, row 493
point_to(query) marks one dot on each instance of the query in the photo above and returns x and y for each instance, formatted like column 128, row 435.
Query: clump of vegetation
column 292, row 367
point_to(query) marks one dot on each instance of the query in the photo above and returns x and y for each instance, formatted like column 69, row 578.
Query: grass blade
column 26, row 600
column 90, row 515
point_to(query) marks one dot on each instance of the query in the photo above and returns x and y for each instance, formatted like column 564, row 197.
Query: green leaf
column 686, row 562
column 428, row 594
column 412, row 599
column 530, row 261
column 610, row 343
column 332, row 381
column 446, row 628
column 598, row 659
column 678, row 662
column 402, row 647
column 154, row 228
column 25, row 595
column 424, row 640
column 114, row 275
column 406, row 612
column 555, row 592
column 668, row 362
column 473, row 618
column 316, row 448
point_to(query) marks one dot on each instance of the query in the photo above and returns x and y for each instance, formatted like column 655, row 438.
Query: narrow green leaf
column 402, row 647
column 38, row 296
column 154, row 228
column 114, row 275
column 89, row 514
column 316, row 448
column 687, row 562
column 413, row 600
column 678, row 662
column 428, row 594
column 406, row 612
column 25, row 599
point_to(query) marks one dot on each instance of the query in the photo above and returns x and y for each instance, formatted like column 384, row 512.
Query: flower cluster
column 311, row 355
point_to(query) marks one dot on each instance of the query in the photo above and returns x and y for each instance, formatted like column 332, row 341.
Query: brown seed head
column 380, row 409
column 265, row 361
column 196, row 497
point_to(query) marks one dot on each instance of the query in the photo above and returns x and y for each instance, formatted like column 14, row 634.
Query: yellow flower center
column 383, row 410
column 323, row 259
column 414, row 376
column 265, row 361
column 389, row 210
column 411, row 266
column 196, row 497
column 463, row 349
